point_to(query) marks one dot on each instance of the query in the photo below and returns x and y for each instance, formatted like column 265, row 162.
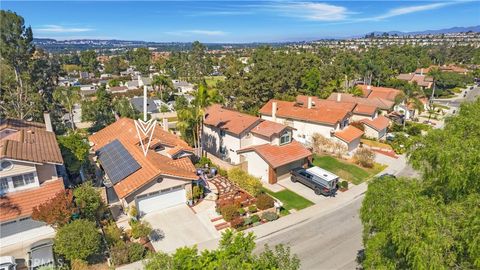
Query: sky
column 237, row 21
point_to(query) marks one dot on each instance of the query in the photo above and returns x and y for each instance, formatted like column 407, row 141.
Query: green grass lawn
column 290, row 199
column 346, row 170
column 213, row 80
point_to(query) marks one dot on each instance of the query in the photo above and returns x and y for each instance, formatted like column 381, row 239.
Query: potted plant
column 343, row 186
column 189, row 197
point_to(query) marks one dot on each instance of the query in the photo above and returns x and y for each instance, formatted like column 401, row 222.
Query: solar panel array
column 116, row 161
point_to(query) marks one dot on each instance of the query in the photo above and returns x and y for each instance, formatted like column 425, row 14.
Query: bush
column 247, row 221
column 204, row 161
column 247, row 182
column 237, row 222
column 229, row 212
column 136, row 252
column 222, row 172
column 255, row 218
column 78, row 240
column 141, row 229
column 241, row 211
column 252, row 209
column 344, row 184
column 264, row 201
column 88, row 199
column 79, row 265
column 119, row 254
column 365, row 157
column 133, row 211
column 113, row 234
column 270, row 216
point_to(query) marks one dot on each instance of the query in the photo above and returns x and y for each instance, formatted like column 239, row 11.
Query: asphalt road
column 471, row 96
column 327, row 242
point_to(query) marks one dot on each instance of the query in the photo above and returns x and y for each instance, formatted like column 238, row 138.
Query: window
column 22, row 180
column 3, row 184
column 286, row 138
column 5, row 165
column 223, row 150
column 222, row 133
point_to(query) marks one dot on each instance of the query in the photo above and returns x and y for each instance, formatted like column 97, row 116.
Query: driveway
column 180, row 227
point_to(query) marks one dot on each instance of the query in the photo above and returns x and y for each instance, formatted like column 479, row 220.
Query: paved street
column 329, row 242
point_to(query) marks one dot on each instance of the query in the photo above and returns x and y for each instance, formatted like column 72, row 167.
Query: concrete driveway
column 180, row 227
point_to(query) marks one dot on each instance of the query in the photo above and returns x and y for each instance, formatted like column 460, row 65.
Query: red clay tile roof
column 229, row 120
column 318, row 114
column 153, row 165
column 378, row 123
column 21, row 203
column 268, row 128
column 331, row 104
column 349, row 134
column 376, row 102
column 364, row 109
column 177, row 149
column 277, row 156
column 380, row 92
column 30, row 142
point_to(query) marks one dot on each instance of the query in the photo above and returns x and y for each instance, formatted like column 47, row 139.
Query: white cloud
column 312, row 11
column 197, row 32
column 51, row 28
column 407, row 10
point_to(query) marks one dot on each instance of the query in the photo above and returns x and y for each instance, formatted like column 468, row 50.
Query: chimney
column 369, row 87
column 309, row 103
column 165, row 124
column 339, row 97
column 421, row 71
column 48, row 121
column 139, row 79
column 274, row 111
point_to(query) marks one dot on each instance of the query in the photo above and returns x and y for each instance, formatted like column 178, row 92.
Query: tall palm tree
column 435, row 74
column 161, row 83
column 67, row 97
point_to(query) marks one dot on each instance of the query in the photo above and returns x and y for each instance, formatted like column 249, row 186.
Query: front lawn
column 290, row 199
column 347, row 171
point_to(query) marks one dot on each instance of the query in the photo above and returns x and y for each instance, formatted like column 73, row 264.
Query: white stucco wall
column 256, row 166
column 358, row 117
column 212, row 141
column 373, row 133
column 302, row 128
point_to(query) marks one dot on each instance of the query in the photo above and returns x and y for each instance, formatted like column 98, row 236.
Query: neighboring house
column 183, row 87
column 132, row 85
column 88, row 89
column 144, row 81
column 153, row 182
column 137, row 103
column 29, row 156
column 376, row 128
column 308, row 118
column 349, row 137
column 425, row 82
column 117, row 89
column 265, row 149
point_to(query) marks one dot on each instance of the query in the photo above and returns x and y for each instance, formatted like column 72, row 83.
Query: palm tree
column 435, row 74
column 67, row 97
column 161, row 82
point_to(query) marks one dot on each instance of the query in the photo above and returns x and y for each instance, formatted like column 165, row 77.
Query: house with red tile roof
column 265, row 149
column 29, row 157
column 376, row 128
column 151, row 182
column 349, row 137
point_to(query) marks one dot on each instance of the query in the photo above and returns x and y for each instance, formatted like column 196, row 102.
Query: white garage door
column 161, row 200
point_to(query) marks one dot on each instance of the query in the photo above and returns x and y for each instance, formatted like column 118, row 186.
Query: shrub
column 247, row 221
column 119, row 254
column 79, row 265
column 204, row 161
column 237, row 222
column 365, row 157
column 222, row 172
column 255, row 218
column 113, row 234
column 264, row 201
column 77, row 240
column 241, row 211
column 344, row 184
column 247, row 182
column 269, row 216
column 197, row 192
column 136, row 252
column 133, row 211
column 252, row 209
column 141, row 229
column 88, row 200
column 229, row 212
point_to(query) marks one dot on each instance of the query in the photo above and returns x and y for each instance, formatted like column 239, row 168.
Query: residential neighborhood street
column 329, row 241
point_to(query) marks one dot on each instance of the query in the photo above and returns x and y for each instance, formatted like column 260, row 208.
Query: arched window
column 286, row 137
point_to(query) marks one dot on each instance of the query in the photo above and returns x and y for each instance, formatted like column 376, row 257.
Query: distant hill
column 433, row 32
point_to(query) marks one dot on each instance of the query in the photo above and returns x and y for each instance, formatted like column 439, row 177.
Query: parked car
column 321, row 181
column 385, row 175
column 41, row 254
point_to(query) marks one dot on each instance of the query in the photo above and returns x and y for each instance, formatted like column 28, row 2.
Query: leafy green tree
column 67, row 97
column 162, row 83
column 88, row 60
column 115, row 65
column 89, row 201
column 311, row 82
column 100, row 110
column 78, row 240
column 74, row 148
column 123, row 107
column 141, row 60
column 234, row 252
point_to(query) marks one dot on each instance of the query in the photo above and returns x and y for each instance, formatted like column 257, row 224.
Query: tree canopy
column 77, row 240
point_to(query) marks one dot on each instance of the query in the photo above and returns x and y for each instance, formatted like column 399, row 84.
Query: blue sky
column 237, row 21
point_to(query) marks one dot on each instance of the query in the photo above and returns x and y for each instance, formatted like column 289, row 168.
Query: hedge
column 245, row 181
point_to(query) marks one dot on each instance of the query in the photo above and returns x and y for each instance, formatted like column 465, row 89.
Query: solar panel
column 116, row 161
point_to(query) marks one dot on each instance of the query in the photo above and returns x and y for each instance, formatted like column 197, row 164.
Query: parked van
column 321, row 181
